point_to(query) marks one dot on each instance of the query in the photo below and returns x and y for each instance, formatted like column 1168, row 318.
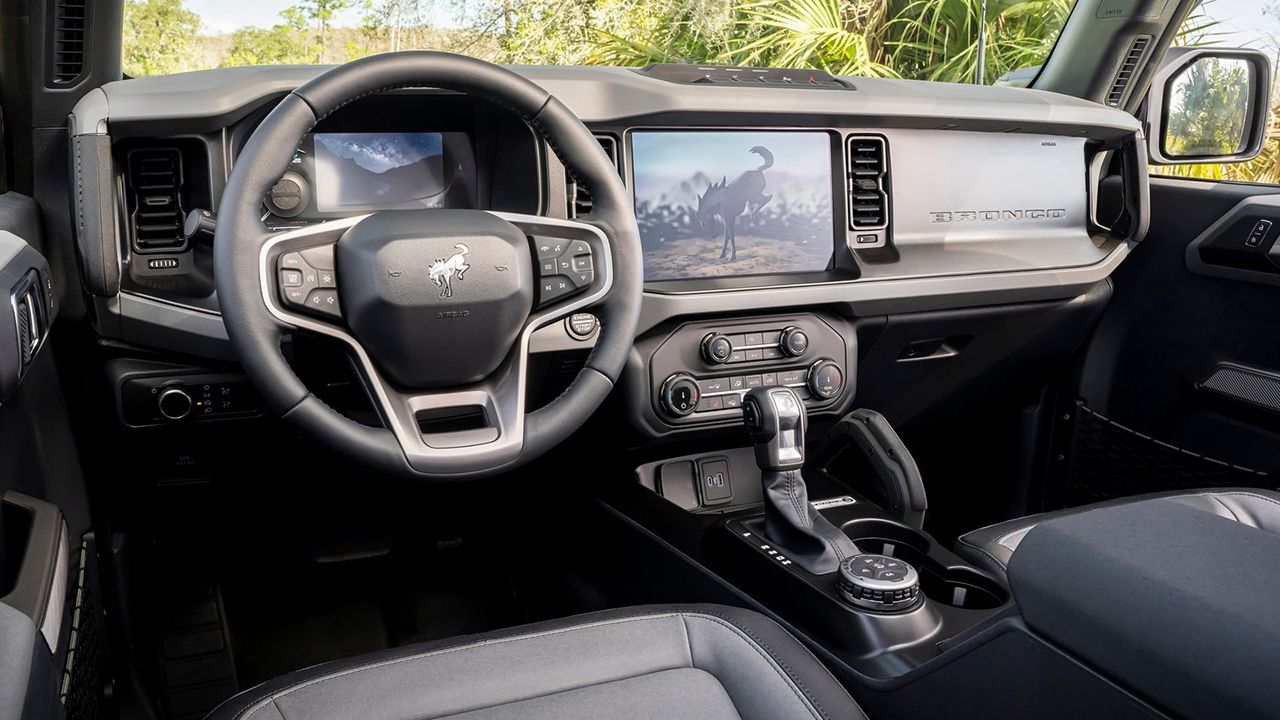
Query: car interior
column 418, row 386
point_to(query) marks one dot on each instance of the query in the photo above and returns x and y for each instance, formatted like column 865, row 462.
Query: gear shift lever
column 776, row 419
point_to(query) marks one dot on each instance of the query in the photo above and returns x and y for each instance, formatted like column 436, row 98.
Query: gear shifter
column 776, row 420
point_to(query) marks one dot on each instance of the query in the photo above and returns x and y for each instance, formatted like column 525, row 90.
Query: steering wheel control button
column 879, row 583
column 714, row 482
column 565, row 268
column 309, row 283
column 825, row 379
column 680, row 395
column 581, row 326
column 795, row 342
column 717, row 349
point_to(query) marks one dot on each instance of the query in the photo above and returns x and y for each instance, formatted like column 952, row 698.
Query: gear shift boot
column 776, row 420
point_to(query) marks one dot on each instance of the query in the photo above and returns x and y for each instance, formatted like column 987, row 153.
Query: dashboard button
column 732, row 401
column 291, row 278
column 717, row 385
column 327, row 279
column 295, row 296
column 548, row 266
column 291, row 260
column 791, row 377
column 737, row 357
column 582, row 279
column 754, row 354
column 736, row 383
column 770, row 379
column 549, row 248
column 753, row 381
column 582, row 263
column 708, row 404
column 579, row 247
column 773, row 353
column 750, row 339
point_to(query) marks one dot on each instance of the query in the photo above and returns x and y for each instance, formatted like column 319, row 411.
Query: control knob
column 879, row 583
column 679, row 395
column 289, row 196
column 826, row 379
column 174, row 403
column 794, row 341
column 716, row 349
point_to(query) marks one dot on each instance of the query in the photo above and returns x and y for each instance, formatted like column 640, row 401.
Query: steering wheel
column 436, row 306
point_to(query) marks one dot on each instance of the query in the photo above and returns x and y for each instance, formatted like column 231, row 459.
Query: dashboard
column 777, row 212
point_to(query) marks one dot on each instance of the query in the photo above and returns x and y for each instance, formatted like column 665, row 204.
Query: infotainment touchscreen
column 733, row 202
column 380, row 171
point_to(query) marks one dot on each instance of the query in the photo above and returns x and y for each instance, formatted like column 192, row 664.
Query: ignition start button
column 581, row 326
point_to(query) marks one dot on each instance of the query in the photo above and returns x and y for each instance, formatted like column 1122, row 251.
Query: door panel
column 1153, row 374
column 43, row 507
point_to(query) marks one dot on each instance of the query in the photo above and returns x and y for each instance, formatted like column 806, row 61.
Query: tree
column 322, row 12
column 391, row 20
column 157, row 36
column 282, row 44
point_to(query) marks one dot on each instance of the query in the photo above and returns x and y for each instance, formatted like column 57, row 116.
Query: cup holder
column 960, row 587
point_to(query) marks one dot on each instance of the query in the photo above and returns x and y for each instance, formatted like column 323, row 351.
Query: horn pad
column 436, row 297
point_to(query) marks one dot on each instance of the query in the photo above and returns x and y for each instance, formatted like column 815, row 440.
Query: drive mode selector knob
column 174, row 403
column 794, row 341
column 826, row 379
column 879, row 583
column 716, row 349
column 679, row 395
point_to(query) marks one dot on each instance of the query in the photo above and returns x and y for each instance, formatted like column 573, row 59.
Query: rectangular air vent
column 68, row 41
column 155, row 199
column 1130, row 66
column 579, row 198
column 868, row 190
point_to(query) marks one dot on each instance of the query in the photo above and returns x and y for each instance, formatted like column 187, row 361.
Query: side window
column 1253, row 24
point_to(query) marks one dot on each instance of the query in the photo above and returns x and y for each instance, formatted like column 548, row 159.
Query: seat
column 991, row 547
column 700, row 662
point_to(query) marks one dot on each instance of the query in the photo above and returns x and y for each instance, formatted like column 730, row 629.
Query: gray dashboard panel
column 970, row 148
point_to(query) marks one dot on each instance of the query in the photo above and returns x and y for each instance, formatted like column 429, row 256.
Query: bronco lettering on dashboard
column 996, row 215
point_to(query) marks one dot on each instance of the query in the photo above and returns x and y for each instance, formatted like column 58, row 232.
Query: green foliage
column 158, row 35
column 832, row 35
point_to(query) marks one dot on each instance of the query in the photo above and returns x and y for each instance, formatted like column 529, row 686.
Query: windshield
column 919, row 39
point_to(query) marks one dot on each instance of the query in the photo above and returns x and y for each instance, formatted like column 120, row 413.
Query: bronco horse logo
column 730, row 200
column 443, row 270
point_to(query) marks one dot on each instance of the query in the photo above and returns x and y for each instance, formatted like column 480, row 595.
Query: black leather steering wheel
column 437, row 330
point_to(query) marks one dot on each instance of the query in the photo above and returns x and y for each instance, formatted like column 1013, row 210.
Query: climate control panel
column 701, row 371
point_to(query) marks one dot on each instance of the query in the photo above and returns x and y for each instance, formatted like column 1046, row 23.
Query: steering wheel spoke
column 572, row 264
column 299, row 275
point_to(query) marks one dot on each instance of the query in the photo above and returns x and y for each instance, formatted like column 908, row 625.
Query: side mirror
column 1208, row 105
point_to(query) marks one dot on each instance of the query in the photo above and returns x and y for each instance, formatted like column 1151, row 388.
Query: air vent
column 69, row 37
column 30, row 316
column 155, row 188
column 868, row 191
column 1130, row 66
column 579, row 198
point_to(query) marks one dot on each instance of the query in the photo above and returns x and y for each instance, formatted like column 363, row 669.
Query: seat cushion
column 993, row 546
column 701, row 662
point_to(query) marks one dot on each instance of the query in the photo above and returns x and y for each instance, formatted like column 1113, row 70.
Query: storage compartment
column 957, row 586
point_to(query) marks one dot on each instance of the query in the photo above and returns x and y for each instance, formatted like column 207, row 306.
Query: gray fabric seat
column 702, row 662
column 992, row 547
